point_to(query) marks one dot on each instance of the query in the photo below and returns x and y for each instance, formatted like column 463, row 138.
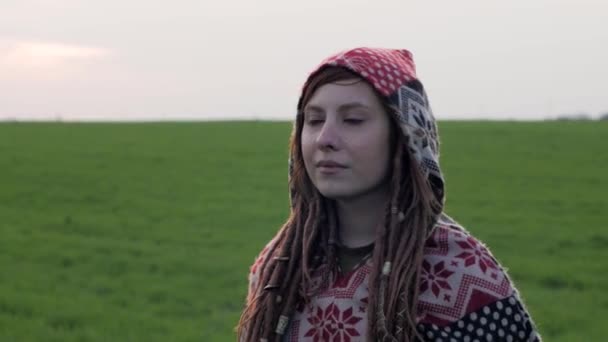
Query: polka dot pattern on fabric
column 386, row 69
column 504, row 320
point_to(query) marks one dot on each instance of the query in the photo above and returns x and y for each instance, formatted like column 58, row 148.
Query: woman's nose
column 328, row 136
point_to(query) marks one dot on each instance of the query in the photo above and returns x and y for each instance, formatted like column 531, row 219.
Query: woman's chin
column 336, row 193
column 330, row 192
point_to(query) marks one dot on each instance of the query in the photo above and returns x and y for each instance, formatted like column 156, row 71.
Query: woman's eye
column 314, row 122
column 353, row 121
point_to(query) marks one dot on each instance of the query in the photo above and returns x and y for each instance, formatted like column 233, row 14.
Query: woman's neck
column 359, row 217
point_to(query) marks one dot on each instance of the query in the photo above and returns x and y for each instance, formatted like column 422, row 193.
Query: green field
column 145, row 232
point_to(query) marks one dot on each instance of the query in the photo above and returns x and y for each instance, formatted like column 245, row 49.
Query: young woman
column 367, row 253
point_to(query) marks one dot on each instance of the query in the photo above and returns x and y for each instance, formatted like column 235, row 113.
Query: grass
column 145, row 232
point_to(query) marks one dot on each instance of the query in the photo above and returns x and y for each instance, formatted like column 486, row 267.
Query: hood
column 388, row 71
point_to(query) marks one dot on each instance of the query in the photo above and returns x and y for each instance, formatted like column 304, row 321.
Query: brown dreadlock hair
column 308, row 239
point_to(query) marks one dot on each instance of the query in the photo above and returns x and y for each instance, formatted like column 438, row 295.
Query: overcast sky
column 135, row 59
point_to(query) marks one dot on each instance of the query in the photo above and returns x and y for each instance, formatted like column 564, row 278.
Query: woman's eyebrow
column 342, row 108
column 313, row 108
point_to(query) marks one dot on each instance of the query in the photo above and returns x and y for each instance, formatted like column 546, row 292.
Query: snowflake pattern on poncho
column 465, row 295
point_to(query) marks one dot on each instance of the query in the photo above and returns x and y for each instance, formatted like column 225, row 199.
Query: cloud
column 21, row 57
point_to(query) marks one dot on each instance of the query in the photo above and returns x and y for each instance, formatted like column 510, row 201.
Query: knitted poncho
column 465, row 294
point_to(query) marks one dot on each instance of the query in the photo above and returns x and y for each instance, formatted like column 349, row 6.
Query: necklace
column 350, row 258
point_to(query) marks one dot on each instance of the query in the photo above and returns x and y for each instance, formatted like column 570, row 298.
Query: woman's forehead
column 345, row 93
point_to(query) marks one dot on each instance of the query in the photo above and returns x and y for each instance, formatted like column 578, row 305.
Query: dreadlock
column 308, row 240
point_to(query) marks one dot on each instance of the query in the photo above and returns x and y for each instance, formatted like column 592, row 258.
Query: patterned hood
column 388, row 71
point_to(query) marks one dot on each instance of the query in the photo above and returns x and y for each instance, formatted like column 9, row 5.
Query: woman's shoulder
column 464, row 289
column 459, row 272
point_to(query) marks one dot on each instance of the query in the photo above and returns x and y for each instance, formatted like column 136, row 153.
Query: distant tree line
column 580, row 117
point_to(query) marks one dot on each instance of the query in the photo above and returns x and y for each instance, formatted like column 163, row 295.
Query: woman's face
column 345, row 140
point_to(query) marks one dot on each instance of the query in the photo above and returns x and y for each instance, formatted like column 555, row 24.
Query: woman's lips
column 329, row 163
column 329, row 167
